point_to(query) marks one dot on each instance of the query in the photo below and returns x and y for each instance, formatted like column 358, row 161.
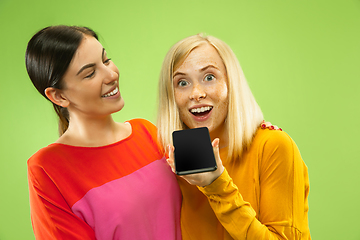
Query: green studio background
column 301, row 59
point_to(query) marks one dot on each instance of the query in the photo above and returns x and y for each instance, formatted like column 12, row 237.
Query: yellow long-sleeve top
column 263, row 195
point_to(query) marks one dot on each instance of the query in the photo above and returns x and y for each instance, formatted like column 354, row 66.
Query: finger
column 265, row 124
column 277, row 128
column 215, row 145
column 171, row 152
column 268, row 125
column 167, row 151
column 170, row 159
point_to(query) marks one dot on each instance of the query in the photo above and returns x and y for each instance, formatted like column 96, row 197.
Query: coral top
column 124, row 190
column 263, row 195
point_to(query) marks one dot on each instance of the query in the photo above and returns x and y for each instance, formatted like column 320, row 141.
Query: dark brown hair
column 48, row 56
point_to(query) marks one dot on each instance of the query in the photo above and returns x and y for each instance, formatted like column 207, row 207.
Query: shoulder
column 275, row 147
column 139, row 124
column 140, row 121
column 46, row 158
column 273, row 139
column 146, row 129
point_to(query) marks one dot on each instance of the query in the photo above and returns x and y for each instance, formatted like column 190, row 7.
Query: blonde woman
column 260, row 189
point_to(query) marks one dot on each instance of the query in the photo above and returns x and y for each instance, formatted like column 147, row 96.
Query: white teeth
column 115, row 91
column 200, row 110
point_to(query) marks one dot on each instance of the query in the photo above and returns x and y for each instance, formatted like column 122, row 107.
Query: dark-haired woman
column 101, row 179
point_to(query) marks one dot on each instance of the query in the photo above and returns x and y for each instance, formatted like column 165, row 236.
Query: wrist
column 217, row 174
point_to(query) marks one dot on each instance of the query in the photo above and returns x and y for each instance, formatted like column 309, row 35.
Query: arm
column 51, row 215
column 282, row 202
column 283, row 194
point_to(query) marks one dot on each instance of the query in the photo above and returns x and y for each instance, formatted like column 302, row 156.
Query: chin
column 119, row 108
column 197, row 125
column 121, row 104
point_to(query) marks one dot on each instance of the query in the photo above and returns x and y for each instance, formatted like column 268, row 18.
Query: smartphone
column 193, row 151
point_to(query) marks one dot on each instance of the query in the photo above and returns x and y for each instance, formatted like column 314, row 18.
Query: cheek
column 180, row 98
column 220, row 94
column 181, row 101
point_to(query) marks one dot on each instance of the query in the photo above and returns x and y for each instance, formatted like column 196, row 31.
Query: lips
column 113, row 91
column 201, row 113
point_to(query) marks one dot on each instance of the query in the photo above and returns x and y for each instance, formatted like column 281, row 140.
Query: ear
column 56, row 96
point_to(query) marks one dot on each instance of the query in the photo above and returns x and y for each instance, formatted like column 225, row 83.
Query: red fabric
column 59, row 175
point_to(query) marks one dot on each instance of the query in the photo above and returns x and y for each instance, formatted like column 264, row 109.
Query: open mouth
column 202, row 111
column 112, row 93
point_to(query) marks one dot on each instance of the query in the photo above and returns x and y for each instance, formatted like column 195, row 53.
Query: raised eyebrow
column 179, row 73
column 90, row 64
column 209, row 66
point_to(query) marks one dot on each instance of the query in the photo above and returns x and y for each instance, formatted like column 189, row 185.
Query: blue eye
column 209, row 77
column 182, row 83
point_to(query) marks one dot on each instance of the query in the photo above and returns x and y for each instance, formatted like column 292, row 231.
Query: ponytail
column 63, row 115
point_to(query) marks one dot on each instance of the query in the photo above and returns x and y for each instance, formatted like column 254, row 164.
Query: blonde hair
column 244, row 115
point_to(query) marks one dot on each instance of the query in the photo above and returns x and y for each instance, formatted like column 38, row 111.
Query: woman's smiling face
column 201, row 91
column 91, row 83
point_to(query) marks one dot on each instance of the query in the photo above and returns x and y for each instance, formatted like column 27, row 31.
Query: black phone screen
column 193, row 151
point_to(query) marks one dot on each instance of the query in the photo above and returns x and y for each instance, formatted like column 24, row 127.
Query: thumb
column 170, row 157
column 215, row 145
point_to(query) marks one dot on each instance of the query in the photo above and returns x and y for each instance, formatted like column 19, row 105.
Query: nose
column 111, row 75
column 197, row 92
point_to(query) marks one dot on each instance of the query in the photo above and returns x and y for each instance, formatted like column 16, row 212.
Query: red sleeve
column 51, row 216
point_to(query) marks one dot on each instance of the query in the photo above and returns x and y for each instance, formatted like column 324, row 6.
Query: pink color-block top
column 120, row 191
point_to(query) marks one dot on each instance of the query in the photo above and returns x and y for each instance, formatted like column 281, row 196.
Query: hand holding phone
column 193, row 151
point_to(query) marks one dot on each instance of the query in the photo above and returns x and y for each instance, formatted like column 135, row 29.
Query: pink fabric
column 119, row 212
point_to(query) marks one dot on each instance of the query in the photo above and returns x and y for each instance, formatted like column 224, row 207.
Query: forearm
column 236, row 215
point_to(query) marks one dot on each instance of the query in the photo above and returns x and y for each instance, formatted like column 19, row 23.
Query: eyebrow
column 209, row 66
column 90, row 64
column 202, row 70
column 178, row 73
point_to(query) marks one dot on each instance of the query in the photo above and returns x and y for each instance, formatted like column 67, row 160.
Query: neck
column 92, row 132
column 223, row 137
